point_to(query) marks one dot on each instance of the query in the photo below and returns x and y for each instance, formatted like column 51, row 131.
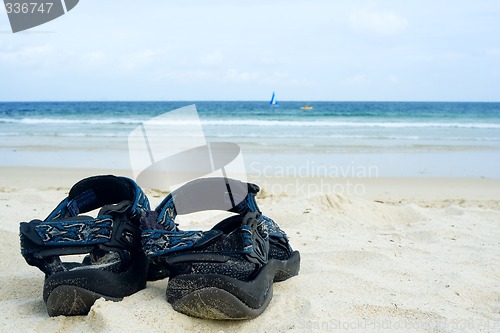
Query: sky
column 310, row 50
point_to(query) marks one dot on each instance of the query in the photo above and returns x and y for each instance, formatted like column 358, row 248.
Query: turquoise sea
column 395, row 138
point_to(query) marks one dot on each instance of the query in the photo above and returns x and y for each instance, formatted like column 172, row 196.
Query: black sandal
column 228, row 271
column 115, row 266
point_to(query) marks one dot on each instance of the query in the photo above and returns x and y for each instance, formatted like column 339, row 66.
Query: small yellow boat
column 306, row 107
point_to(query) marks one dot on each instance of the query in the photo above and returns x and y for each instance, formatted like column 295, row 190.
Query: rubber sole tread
column 71, row 300
column 223, row 297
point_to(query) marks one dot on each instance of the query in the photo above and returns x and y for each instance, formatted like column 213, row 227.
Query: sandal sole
column 70, row 300
column 215, row 303
column 222, row 297
column 72, row 293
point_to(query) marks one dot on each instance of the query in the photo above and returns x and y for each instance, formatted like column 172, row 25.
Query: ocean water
column 334, row 138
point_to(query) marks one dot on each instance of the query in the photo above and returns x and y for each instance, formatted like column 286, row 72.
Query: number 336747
column 28, row 7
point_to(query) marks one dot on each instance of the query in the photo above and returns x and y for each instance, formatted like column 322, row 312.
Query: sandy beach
column 371, row 127
column 400, row 254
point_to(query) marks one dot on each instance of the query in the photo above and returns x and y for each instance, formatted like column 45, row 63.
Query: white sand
column 416, row 255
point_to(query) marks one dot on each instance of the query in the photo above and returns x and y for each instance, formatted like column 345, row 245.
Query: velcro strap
column 74, row 231
column 159, row 242
column 255, row 239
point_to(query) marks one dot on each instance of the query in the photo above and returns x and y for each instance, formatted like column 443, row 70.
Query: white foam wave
column 253, row 122
column 59, row 121
column 290, row 123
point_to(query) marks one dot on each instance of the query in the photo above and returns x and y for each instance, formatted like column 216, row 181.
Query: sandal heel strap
column 206, row 194
column 64, row 232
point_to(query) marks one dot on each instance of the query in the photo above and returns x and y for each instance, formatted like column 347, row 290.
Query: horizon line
column 234, row 100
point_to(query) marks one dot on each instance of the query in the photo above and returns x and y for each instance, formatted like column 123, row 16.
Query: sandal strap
column 69, row 232
column 206, row 194
column 159, row 242
column 202, row 195
column 64, row 232
column 97, row 191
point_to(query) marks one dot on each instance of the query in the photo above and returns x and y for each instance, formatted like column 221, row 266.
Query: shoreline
column 410, row 164
column 387, row 189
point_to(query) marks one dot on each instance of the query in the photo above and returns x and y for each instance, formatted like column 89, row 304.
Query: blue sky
column 392, row 50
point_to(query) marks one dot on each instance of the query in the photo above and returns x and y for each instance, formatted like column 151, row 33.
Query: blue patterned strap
column 64, row 232
column 254, row 241
column 97, row 191
column 42, row 242
column 203, row 195
column 159, row 242
column 207, row 194
column 82, row 232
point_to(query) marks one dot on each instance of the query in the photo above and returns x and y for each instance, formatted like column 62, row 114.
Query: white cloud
column 379, row 22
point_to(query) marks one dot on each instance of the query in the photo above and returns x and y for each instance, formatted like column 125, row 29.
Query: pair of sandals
column 223, row 273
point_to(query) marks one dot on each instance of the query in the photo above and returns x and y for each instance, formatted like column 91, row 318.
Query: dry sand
column 416, row 255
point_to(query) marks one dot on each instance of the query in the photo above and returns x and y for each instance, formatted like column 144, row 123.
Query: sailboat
column 273, row 101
